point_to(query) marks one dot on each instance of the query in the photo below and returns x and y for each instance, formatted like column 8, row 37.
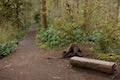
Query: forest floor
column 31, row 63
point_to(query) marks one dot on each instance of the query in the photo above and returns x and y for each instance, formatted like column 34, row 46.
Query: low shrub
column 21, row 33
column 105, row 41
column 7, row 48
column 10, row 37
column 50, row 37
column 108, row 56
column 58, row 38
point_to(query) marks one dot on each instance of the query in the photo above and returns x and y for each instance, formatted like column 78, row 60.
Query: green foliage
column 37, row 18
column 21, row 33
column 50, row 37
column 99, row 38
column 14, row 23
column 9, row 40
column 98, row 17
column 105, row 41
column 14, row 11
column 55, row 38
column 108, row 56
column 7, row 48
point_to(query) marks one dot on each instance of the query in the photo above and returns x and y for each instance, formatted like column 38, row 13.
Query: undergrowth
column 7, row 48
column 9, row 40
column 106, row 45
column 54, row 38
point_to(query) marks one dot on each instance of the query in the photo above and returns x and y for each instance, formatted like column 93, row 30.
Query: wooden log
column 99, row 65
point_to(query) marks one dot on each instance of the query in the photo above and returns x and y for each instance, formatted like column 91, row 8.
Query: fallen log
column 99, row 65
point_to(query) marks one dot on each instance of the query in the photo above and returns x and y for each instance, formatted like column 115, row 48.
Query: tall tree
column 118, row 8
column 43, row 14
column 86, row 15
column 17, row 12
column 56, row 3
column 77, row 3
column 68, row 7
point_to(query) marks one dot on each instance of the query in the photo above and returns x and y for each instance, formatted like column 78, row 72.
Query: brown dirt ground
column 31, row 63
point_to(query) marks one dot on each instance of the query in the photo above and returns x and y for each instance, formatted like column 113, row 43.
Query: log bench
column 99, row 65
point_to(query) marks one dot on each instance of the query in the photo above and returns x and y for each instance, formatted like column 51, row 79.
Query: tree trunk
column 103, row 66
column 68, row 8
column 43, row 15
column 118, row 10
column 56, row 3
column 86, row 15
column 17, row 14
column 77, row 3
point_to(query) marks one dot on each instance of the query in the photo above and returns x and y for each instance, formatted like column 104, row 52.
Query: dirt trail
column 31, row 63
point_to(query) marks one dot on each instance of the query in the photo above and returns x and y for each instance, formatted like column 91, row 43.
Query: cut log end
column 99, row 65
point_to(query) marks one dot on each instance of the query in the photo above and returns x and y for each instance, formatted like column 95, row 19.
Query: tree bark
column 56, row 3
column 43, row 14
column 68, row 8
column 118, row 11
column 77, row 3
column 17, row 14
column 103, row 66
column 86, row 15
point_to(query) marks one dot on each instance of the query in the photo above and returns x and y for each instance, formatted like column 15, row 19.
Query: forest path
column 31, row 63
